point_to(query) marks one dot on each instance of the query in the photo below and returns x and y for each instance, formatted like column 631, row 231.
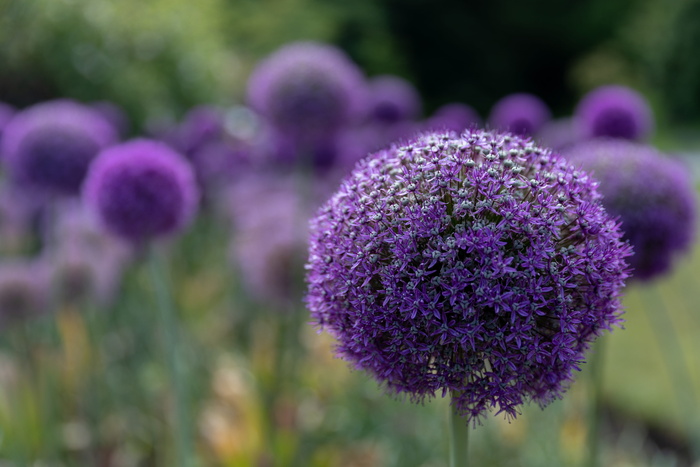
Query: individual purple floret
column 480, row 265
column 49, row 146
column 653, row 196
column 141, row 189
column 454, row 117
column 616, row 112
column 523, row 114
column 307, row 89
column 392, row 99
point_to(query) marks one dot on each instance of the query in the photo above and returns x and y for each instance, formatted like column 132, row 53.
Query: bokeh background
column 93, row 390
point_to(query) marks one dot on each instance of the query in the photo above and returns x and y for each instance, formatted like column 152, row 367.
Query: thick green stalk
column 596, row 366
column 459, row 438
column 169, row 328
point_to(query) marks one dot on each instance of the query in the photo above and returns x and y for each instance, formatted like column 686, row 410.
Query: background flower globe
column 652, row 194
column 50, row 146
column 478, row 264
column 307, row 89
column 615, row 112
column 141, row 189
column 392, row 99
column 521, row 113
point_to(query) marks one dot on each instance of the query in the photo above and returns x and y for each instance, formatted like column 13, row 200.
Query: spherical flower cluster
column 307, row 89
column 454, row 117
column 6, row 114
column 478, row 264
column 615, row 112
column 653, row 196
column 141, row 189
column 393, row 99
column 49, row 146
column 24, row 291
column 522, row 114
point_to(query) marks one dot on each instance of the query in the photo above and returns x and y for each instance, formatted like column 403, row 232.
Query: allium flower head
column 392, row 99
column 522, row 114
column 141, row 189
column 478, row 264
column 307, row 89
column 653, row 196
column 6, row 113
column 50, row 145
column 23, row 291
column 454, row 117
column 616, row 112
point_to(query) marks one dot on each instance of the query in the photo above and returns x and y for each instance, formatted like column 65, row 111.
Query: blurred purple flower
column 479, row 264
column 453, row 117
column 114, row 114
column 6, row 114
column 79, row 276
column 270, row 231
column 653, row 196
column 49, row 146
column 559, row 134
column 308, row 90
column 141, row 189
column 24, row 290
column 616, row 112
column 392, row 99
column 522, row 114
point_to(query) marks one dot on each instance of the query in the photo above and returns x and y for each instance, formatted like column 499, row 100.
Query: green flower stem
column 458, row 439
column 169, row 328
column 596, row 365
column 669, row 342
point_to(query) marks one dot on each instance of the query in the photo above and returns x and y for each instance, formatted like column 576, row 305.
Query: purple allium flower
column 307, row 89
column 616, row 112
column 559, row 134
column 50, row 145
column 478, row 264
column 24, row 290
column 200, row 126
column 141, row 189
column 78, row 275
column 6, row 114
column 270, row 231
column 218, row 163
column 454, row 117
column 114, row 114
column 522, row 114
column 652, row 195
column 392, row 99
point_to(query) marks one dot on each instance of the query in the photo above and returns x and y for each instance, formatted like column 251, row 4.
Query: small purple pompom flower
column 49, row 146
column 24, row 290
column 141, row 189
column 392, row 99
column 307, row 89
column 616, row 112
column 523, row 114
column 6, row 114
column 454, row 117
column 479, row 264
column 652, row 195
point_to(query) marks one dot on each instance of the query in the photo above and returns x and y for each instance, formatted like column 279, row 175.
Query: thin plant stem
column 458, row 438
column 596, row 366
column 169, row 328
